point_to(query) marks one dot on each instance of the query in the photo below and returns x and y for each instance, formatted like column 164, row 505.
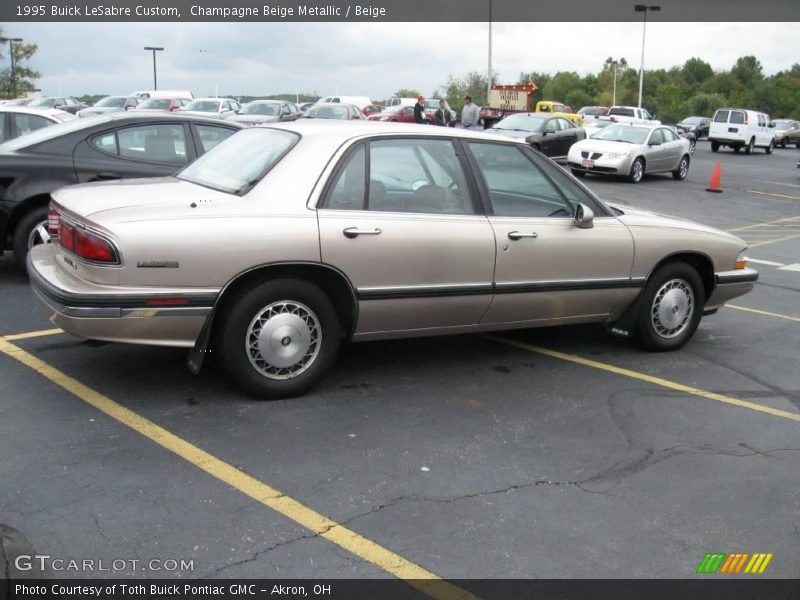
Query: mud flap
column 625, row 325
column 197, row 355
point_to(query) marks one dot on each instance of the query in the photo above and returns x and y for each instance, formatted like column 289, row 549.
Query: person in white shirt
column 470, row 114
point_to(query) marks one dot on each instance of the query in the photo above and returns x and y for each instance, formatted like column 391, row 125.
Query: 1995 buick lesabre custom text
column 285, row 241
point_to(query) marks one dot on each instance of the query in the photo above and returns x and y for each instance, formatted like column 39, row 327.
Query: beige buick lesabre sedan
column 285, row 241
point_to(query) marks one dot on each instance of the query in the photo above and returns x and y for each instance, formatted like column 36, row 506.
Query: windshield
column 236, row 165
column 50, row 133
column 433, row 104
column 269, row 109
column 623, row 133
column 203, row 106
column 328, row 112
column 112, row 101
column 521, row 122
column 596, row 126
column 155, row 103
column 781, row 125
column 41, row 102
column 693, row 120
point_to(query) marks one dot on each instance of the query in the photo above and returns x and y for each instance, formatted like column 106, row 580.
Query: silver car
column 631, row 151
column 285, row 241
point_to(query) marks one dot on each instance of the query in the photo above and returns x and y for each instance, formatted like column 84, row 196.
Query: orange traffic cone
column 713, row 185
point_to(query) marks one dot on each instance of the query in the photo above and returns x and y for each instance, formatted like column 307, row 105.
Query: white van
column 739, row 128
column 359, row 101
column 397, row 101
column 145, row 94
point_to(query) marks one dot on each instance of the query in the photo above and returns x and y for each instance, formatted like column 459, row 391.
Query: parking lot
column 551, row 453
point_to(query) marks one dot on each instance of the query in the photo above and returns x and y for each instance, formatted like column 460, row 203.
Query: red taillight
column 53, row 222
column 66, row 236
column 745, row 118
column 93, row 247
column 85, row 244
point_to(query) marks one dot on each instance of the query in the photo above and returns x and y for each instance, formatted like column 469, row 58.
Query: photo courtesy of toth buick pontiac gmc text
column 287, row 240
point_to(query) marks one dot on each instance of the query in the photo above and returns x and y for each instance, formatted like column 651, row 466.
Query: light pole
column 13, row 81
column 489, row 74
column 154, row 50
column 615, row 63
column 643, row 8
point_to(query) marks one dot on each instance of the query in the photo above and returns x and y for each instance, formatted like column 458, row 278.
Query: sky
column 372, row 59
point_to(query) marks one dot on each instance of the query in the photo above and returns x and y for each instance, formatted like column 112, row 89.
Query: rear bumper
column 152, row 316
column 730, row 285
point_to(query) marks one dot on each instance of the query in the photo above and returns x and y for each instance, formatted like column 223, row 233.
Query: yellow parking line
column 774, row 194
column 757, row 225
column 763, row 312
column 775, row 241
column 678, row 387
column 415, row 575
column 31, row 334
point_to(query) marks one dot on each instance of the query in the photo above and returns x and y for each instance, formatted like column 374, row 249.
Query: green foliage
column 407, row 93
column 672, row 94
column 23, row 76
column 473, row 84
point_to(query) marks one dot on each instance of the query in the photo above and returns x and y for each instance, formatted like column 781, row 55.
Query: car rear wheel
column 578, row 173
column 692, row 146
column 637, row 171
column 750, row 145
column 683, row 169
column 714, row 146
column 671, row 308
column 30, row 231
column 279, row 338
column 771, row 147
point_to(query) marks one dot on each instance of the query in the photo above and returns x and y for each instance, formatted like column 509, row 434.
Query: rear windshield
column 159, row 103
column 622, row 112
column 236, row 165
column 721, row 116
column 737, row 117
column 112, row 101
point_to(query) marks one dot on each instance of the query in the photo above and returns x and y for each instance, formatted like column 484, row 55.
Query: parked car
column 359, row 101
column 739, row 128
column 401, row 114
column 17, row 102
column 19, row 120
column 688, row 135
column 630, row 114
column 145, row 94
column 168, row 104
column 334, row 110
column 67, row 104
column 265, row 111
column 211, row 107
column 590, row 113
column 103, row 147
column 305, row 106
column 550, row 135
column 787, row 131
column 631, row 151
column 397, row 101
column 592, row 127
column 427, row 253
column 699, row 126
column 432, row 105
column 109, row 104
column 372, row 109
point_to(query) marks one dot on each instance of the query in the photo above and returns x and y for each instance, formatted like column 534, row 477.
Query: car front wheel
column 279, row 338
column 671, row 308
column 715, row 146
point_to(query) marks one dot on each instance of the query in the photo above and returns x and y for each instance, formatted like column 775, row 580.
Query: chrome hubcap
column 672, row 309
column 283, row 340
column 39, row 235
column 684, row 168
column 637, row 170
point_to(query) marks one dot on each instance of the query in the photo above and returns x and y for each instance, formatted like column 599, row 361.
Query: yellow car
column 560, row 110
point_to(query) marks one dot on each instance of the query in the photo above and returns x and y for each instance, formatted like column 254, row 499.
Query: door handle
column 352, row 232
column 108, row 175
column 516, row 235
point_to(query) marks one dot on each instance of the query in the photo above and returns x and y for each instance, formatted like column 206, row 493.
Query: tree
column 407, row 93
column 20, row 82
column 472, row 84
column 696, row 71
column 747, row 70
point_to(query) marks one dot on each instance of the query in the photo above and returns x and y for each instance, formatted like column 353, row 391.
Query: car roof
column 134, row 116
column 48, row 112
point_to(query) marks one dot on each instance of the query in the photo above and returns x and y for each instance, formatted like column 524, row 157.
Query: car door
column 412, row 241
column 673, row 149
column 656, row 153
column 547, row 268
column 549, row 138
column 146, row 150
column 567, row 135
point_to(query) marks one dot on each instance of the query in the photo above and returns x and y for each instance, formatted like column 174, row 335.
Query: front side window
column 517, row 187
column 657, row 137
column 405, row 175
column 28, row 123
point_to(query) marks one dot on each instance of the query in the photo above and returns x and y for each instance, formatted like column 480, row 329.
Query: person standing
column 470, row 114
column 443, row 116
column 419, row 111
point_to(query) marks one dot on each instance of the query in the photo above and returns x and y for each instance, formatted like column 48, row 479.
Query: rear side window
column 210, row 135
column 737, row 117
column 28, row 123
column 721, row 116
column 160, row 143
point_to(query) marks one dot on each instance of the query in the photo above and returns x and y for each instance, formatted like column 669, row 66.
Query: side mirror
column 584, row 217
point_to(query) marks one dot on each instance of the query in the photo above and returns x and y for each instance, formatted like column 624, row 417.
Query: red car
column 372, row 109
column 163, row 104
column 400, row 114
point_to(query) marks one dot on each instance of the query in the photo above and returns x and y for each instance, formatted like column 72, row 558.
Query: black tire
column 23, row 231
column 637, row 170
column 737, row 148
column 692, row 146
column 750, row 145
column 715, row 146
column 771, row 147
column 578, row 173
column 683, row 169
column 292, row 305
column 672, row 289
